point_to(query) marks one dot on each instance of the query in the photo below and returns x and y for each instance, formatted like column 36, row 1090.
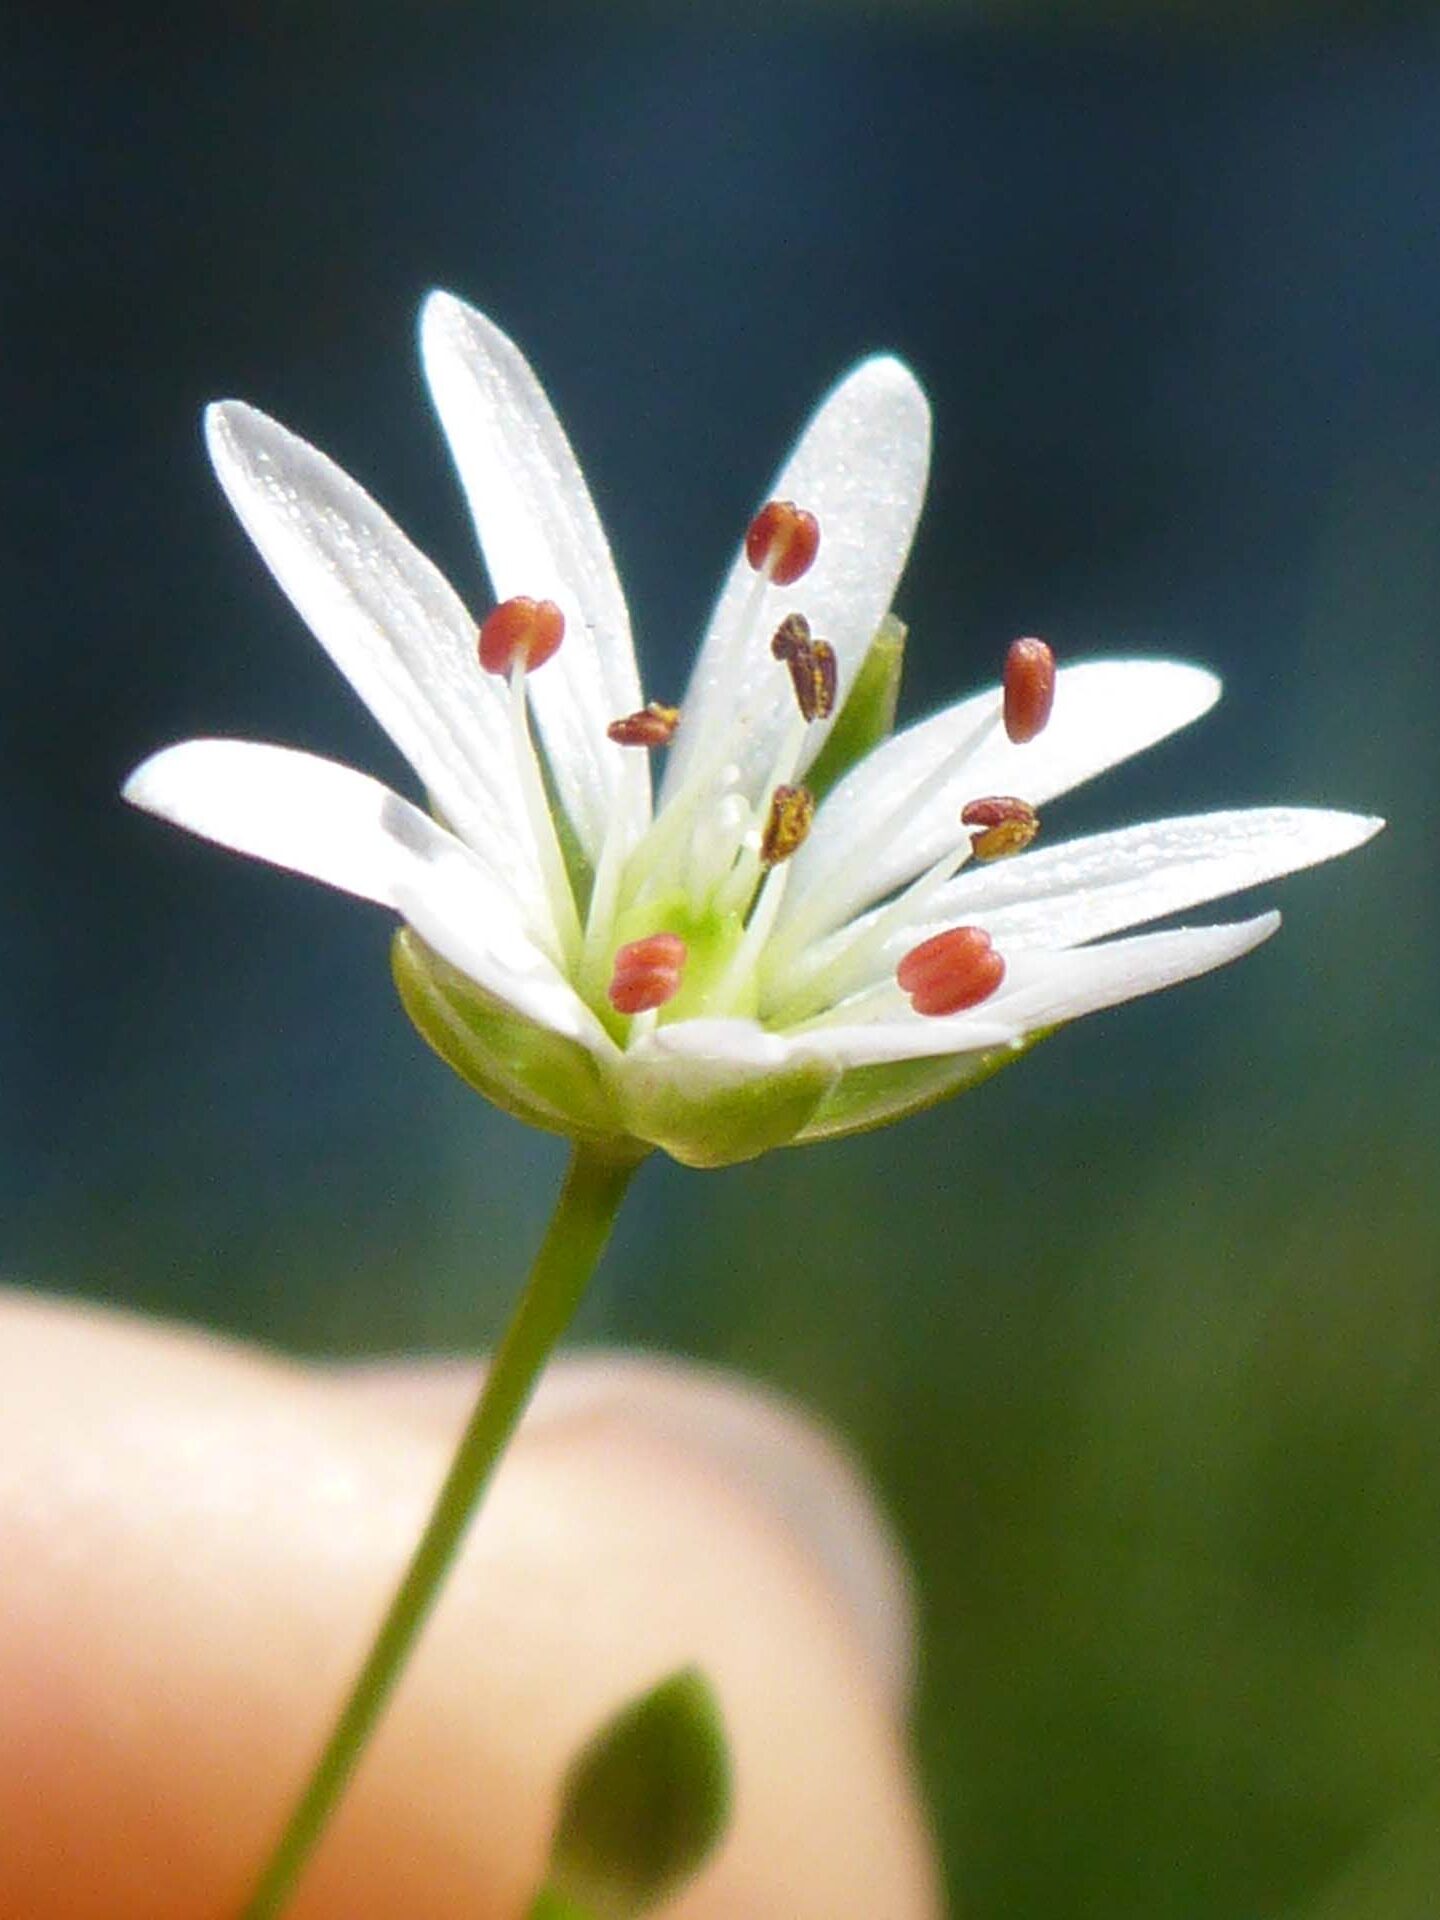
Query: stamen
column 542, row 821
column 520, row 629
column 814, row 673
column 954, row 970
column 875, row 835
column 652, row 726
column 787, row 825
column 793, row 632
column 1029, row 689
column 647, row 973
column 1008, row 826
column 782, row 542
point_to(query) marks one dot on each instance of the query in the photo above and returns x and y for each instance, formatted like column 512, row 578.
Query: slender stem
column 584, row 1214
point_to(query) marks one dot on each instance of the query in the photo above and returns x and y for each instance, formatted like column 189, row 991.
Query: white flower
column 540, row 861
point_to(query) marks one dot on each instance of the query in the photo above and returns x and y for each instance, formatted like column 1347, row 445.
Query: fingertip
column 200, row 1541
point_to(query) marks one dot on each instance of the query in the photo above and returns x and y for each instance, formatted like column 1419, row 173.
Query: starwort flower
column 809, row 928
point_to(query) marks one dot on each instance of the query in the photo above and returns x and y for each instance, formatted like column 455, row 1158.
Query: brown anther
column 788, row 824
column 1029, row 689
column 647, row 973
column 1008, row 826
column 782, row 542
column 652, row 726
column 520, row 629
column 790, row 636
column 814, row 673
column 952, row 971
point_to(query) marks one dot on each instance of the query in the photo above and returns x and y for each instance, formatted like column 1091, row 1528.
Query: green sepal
column 643, row 1805
column 863, row 1098
column 715, row 1114
column 532, row 1072
column 867, row 715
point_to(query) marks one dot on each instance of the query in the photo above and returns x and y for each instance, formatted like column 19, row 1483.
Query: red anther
column 652, row 726
column 782, row 541
column 1009, row 825
column 1029, row 689
column 522, row 628
column 647, row 973
column 952, row 971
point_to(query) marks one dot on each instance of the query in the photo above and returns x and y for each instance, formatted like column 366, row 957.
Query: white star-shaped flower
column 724, row 966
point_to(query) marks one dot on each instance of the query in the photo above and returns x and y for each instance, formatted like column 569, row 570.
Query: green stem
column 584, row 1214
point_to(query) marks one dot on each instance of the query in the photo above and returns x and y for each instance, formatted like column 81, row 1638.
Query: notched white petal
column 541, row 535
column 1086, row 889
column 1043, row 989
column 899, row 810
column 389, row 620
column 333, row 824
column 860, row 467
column 297, row 811
column 1056, row 896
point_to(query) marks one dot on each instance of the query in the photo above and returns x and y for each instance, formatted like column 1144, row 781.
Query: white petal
column 740, row 1044
column 295, row 810
column 1081, row 891
column 1045, row 989
column 860, row 467
column 451, row 907
column 873, row 834
column 541, row 536
column 315, row 817
column 1085, row 889
column 388, row 619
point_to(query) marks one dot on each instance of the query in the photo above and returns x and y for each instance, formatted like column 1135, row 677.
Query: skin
column 196, row 1539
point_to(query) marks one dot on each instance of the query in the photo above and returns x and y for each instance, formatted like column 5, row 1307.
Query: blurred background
column 1141, row 1341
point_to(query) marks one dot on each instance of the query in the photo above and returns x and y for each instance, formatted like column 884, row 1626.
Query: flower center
column 647, row 973
column 706, row 943
column 710, row 868
column 681, row 927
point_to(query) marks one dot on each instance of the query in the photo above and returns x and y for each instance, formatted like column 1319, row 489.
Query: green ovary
column 711, row 939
